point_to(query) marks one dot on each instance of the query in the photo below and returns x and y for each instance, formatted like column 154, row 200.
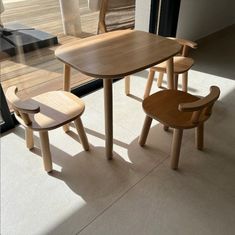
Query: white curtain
column 1, row 7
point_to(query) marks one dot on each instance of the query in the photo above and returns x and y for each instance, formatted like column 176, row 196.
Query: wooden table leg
column 66, row 87
column 108, row 111
column 170, row 73
column 67, row 72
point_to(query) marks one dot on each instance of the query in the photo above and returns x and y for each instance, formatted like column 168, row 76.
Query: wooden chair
column 116, row 14
column 182, row 64
column 46, row 112
column 179, row 110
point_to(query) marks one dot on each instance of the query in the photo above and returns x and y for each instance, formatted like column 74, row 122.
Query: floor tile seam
column 122, row 195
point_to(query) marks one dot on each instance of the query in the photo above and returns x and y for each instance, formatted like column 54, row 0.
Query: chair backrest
column 116, row 14
column 21, row 108
column 186, row 44
column 202, row 108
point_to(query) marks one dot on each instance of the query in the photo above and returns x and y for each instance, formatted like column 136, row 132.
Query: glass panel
column 36, row 71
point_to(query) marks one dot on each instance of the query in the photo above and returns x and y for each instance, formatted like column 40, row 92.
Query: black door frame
column 168, row 19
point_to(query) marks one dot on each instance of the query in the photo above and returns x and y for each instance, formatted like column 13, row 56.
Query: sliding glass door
column 39, row 71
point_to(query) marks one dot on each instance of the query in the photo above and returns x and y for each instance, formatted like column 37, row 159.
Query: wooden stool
column 46, row 112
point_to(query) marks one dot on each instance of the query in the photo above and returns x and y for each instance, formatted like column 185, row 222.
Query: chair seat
column 56, row 109
column 163, row 106
column 181, row 65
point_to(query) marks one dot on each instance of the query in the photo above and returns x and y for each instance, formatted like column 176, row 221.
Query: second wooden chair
column 46, row 112
column 182, row 63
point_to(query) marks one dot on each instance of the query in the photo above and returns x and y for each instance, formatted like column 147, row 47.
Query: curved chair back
column 163, row 106
column 186, row 44
column 21, row 108
column 202, row 108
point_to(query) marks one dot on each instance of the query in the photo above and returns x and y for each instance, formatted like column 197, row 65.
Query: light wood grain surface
column 47, row 111
column 117, row 54
column 181, row 65
column 179, row 109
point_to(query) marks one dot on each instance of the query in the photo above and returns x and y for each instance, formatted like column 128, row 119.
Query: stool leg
column 160, row 79
column 45, row 149
column 199, row 136
column 149, row 83
column 29, row 138
column 145, row 130
column 127, row 84
column 81, row 133
column 175, row 148
column 176, row 76
column 66, row 128
column 185, row 82
column 66, row 85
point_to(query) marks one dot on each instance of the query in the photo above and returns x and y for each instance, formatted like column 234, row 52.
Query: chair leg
column 66, row 128
column 145, row 130
column 45, row 149
column 175, row 148
column 199, row 136
column 149, row 83
column 170, row 73
column 127, row 84
column 66, row 87
column 29, row 138
column 176, row 76
column 81, row 133
column 160, row 79
column 185, row 82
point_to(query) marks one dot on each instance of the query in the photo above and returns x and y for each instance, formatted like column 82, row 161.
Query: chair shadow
column 87, row 168
column 89, row 172
column 135, row 97
column 84, row 169
column 99, row 181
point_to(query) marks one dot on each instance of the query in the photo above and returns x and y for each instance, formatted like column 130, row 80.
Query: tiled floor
column 136, row 192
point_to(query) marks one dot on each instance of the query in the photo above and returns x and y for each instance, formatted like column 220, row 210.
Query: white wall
column 199, row 18
column 142, row 15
